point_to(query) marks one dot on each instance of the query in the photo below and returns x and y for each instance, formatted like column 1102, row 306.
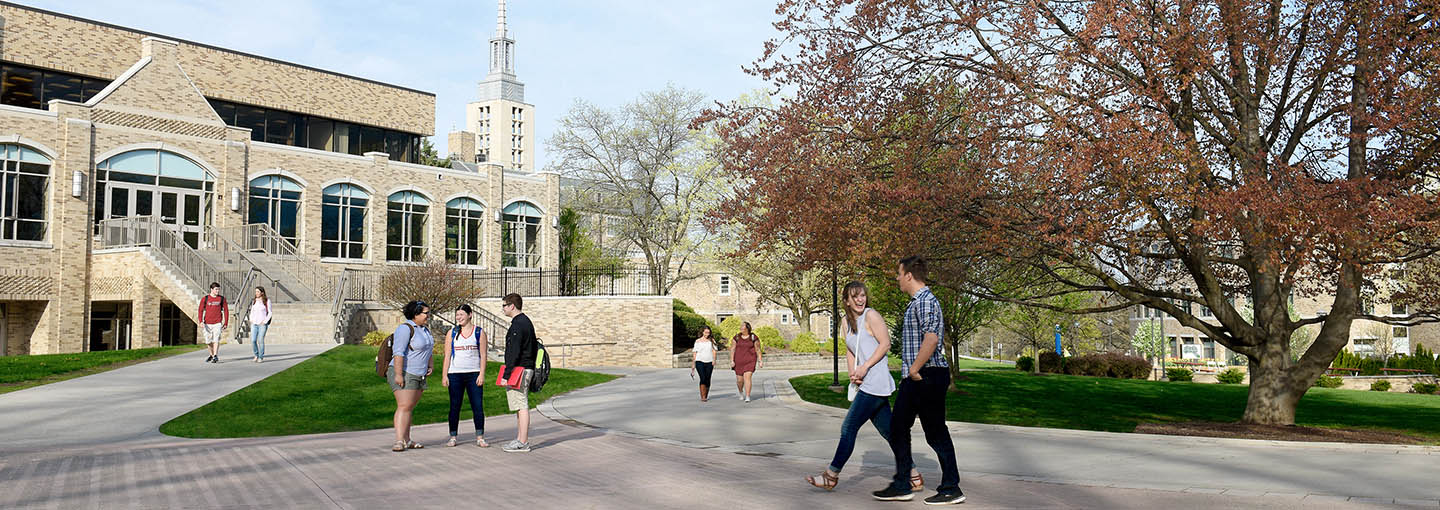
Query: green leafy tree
column 581, row 261
column 429, row 156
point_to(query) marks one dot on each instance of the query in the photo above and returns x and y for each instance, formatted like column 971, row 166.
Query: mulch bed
column 1277, row 432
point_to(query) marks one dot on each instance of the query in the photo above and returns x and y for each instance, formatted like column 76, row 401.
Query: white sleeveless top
column 467, row 353
column 705, row 352
column 877, row 380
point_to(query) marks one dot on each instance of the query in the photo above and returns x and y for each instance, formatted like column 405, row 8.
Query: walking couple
column 925, row 377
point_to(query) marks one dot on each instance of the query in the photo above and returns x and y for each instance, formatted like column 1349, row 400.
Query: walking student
column 259, row 323
column 745, row 358
column 925, row 377
column 464, row 372
column 704, row 361
column 408, row 369
column 867, row 343
column 520, row 348
column 214, row 318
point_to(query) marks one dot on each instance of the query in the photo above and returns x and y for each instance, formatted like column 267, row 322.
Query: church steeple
column 502, row 47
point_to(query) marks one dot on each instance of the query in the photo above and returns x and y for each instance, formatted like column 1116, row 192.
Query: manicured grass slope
column 339, row 391
column 20, row 372
column 1090, row 403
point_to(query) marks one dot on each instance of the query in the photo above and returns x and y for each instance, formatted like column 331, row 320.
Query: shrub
column 825, row 346
column 680, row 306
column 1424, row 388
column 1381, row 385
column 770, row 338
column 1179, row 374
column 806, row 343
column 1326, row 381
column 1051, row 362
column 1127, row 367
column 728, row 328
column 1025, row 364
column 1231, row 376
column 374, row 338
column 686, row 326
column 1089, row 364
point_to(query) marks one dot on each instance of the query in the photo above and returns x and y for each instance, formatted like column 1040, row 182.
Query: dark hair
column 915, row 265
column 264, row 298
column 703, row 329
column 413, row 308
column 465, row 308
column 514, row 299
column 214, row 285
column 748, row 328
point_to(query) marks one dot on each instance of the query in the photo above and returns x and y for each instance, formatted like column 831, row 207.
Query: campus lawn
column 1117, row 405
column 20, row 372
column 339, row 391
column 962, row 363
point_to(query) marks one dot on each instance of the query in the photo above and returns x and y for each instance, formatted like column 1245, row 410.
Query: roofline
column 210, row 46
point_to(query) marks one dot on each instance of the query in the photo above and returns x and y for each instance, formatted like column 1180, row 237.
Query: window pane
column 259, row 210
column 357, row 225
column 280, row 127
column 31, row 198
column 63, row 86
column 322, row 133
column 145, row 162
column 168, row 207
column 119, row 202
column 329, row 249
column 372, row 139
column 289, row 223
column 330, row 223
column 93, row 87
column 20, row 87
column 144, row 203
column 253, row 118
column 30, row 230
column 175, row 165
column 192, row 210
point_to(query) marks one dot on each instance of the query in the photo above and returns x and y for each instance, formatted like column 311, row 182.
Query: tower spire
column 500, row 22
column 502, row 47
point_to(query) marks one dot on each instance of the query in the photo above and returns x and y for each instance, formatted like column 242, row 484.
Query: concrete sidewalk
column 663, row 406
column 130, row 403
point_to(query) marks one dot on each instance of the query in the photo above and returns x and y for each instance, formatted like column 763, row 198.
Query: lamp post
column 835, row 322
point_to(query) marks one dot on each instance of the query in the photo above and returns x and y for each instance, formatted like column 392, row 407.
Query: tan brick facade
column 704, row 295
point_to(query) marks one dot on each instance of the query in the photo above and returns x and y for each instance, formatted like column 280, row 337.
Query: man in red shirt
column 214, row 317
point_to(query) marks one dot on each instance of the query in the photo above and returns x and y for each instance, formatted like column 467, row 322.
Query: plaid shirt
column 922, row 316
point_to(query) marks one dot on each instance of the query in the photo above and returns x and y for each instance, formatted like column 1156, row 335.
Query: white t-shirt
column 467, row 353
column 704, row 351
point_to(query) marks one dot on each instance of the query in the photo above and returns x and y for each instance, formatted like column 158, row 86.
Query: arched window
column 463, row 241
column 275, row 201
column 24, row 180
column 405, row 226
column 150, row 182
column 520, row 235
column 342, row 221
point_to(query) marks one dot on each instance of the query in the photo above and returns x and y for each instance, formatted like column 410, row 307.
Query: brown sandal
column 826, row 481
column 917, row 482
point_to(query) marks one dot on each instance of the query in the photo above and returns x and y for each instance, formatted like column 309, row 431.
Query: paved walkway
column 130, row 403
column 736, row 464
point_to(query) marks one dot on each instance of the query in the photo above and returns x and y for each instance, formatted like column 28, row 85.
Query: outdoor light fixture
column 497, row 216
column 235, row 199
column 77, row 184
column 554, row 222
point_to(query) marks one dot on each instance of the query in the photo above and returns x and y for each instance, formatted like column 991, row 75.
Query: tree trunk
column 1275, row 387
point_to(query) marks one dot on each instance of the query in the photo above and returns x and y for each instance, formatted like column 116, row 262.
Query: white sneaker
column 747, row 398
column 516, row 446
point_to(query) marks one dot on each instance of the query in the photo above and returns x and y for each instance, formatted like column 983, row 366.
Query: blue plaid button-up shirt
column 921, row 317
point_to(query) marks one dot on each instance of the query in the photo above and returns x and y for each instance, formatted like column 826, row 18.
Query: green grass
column 1116, row 405
column 963, row 363
column 20, row 372
column 339, row 391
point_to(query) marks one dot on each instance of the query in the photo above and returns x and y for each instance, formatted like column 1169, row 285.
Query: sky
column 605, row 52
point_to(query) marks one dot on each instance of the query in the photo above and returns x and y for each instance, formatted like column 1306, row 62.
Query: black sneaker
column 892, row 494
column 946, row 498
column 209, row 359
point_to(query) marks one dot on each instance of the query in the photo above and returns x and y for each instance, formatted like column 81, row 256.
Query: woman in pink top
column 259, row 323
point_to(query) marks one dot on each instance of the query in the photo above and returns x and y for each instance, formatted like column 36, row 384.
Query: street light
column 835, row 321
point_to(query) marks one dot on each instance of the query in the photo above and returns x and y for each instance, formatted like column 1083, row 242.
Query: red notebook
column 514, row 379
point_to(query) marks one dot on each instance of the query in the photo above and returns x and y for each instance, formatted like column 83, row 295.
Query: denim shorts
column 412, row 381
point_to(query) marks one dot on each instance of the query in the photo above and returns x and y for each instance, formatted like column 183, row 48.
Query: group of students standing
column 464, row 369
column 214, row 315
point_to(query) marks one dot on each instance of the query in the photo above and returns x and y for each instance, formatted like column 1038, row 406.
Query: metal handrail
column 243, row 301
column 166, row 240
column 337, row 305
column 260, row 237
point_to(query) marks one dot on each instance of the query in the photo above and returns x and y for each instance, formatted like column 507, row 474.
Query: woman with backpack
column 259, row 324
column 464, row 372
column 409, row 366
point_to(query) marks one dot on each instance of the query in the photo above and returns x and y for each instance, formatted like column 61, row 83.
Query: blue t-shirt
column 416, row 348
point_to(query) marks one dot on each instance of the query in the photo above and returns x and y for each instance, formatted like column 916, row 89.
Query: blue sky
column 605, row 51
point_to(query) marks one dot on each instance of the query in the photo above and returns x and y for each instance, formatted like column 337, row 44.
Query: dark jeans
column 705, row 369
column 460, row 384
column 866, row 407
column 926, row 399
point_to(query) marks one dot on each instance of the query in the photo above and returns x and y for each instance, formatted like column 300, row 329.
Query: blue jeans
column 461, row 385
column 257, row 339
column 866, row 407
column 925, row 399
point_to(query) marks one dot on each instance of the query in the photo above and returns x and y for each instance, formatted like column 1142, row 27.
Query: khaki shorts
column 412, row 381
column 520, row 399
column 214, row 333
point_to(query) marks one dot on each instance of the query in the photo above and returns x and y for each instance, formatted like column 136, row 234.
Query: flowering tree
column 1259, row 148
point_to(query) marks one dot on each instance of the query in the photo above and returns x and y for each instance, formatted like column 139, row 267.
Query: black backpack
column 541, row 374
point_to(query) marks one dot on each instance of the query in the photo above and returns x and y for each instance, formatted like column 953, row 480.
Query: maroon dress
column 744, row 354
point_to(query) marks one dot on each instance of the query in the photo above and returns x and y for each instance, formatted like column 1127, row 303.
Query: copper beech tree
column 1165, row 153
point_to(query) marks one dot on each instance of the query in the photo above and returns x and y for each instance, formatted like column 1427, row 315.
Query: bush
column 806, row 343
column 1025, row 364
column 1424, row 388
column 770, row 338
column 1326, row 381
column 728, row 328
column 825, row 345
column 1179, row 374
column 1128, row 367
column 1231, row 376
column 680, row 306
column 1052, row 363
column 1381, row 385
column 686, row 326
column 374, row 338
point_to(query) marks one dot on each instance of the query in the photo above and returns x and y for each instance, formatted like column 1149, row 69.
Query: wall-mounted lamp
column 235, row 199
column 497, row 216
column 554, row 222
column 77, row 184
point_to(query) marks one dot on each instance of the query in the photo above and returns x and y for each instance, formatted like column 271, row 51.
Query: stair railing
column 242, row 305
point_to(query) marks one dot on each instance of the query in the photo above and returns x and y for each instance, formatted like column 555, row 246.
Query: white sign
column 1190, row 351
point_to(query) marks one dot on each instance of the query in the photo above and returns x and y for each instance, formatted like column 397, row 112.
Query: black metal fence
column 362, row 285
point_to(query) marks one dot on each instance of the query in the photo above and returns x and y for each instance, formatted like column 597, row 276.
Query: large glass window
column 32, row 87
column 342, row 221
column 301, row 130
column 149, row 182
column 520, row 235
column 463, row 241
column 405, row 226
column 24, row 180
column 275, row 201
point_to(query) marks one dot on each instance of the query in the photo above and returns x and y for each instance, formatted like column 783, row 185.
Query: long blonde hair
column 851, row 289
